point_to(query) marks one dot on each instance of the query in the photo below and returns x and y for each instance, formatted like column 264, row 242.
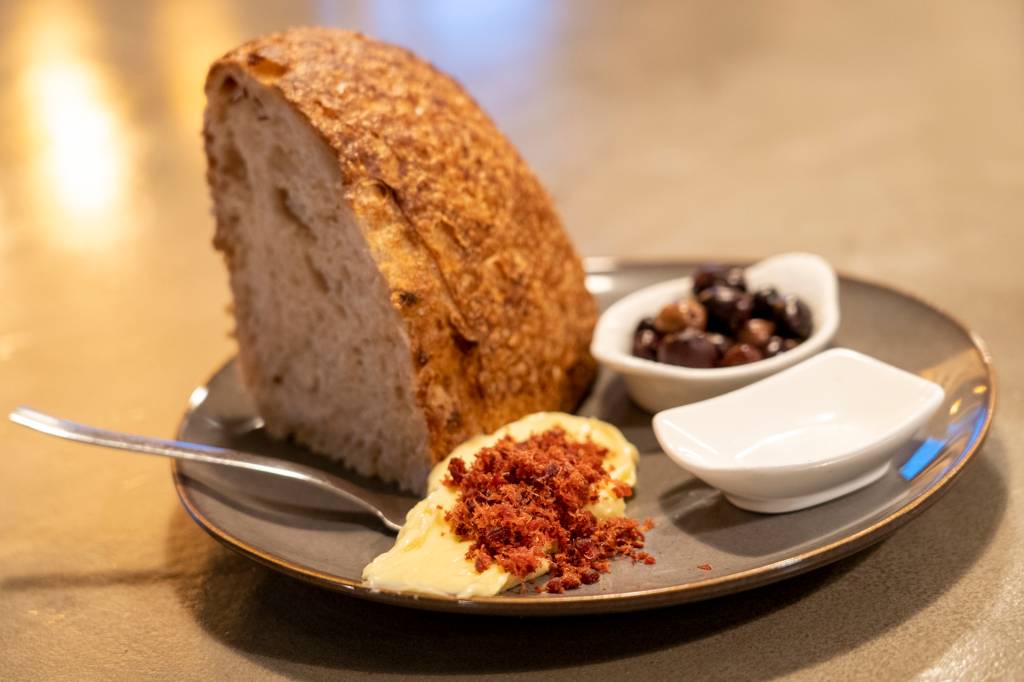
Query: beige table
column 885, row 136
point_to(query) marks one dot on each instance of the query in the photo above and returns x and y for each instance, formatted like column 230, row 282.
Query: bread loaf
column 401, row 281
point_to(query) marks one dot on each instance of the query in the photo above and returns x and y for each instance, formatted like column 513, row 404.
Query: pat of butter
column 429, row 558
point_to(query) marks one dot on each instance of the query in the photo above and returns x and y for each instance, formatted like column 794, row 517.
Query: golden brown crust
column 489, row 286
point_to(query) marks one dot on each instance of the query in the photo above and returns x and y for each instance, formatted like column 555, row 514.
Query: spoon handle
column 196, row 452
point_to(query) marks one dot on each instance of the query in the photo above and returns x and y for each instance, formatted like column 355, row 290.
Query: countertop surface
column 883, row 136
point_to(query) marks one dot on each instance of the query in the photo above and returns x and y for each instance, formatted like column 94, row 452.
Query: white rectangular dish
column 809, row 434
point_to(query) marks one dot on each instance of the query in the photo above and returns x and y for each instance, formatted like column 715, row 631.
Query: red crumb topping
column 524, row 502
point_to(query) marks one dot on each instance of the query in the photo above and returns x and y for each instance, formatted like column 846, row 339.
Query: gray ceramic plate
column 704, row 546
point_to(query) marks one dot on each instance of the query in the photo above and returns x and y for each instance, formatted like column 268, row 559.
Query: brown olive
column 669, row 319
column 690, row 348
column 687, row 313
column 741, row 354
column 756, row 332
column 694, row 313
column 727, row 308
column 705, row 278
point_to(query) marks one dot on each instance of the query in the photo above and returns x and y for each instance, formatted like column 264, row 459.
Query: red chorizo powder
column 524, row 502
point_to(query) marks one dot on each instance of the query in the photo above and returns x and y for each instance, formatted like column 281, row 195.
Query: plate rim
column 637, row 599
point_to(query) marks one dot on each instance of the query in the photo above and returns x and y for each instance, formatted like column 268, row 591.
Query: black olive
column 709, row 275
column 794, row 321
column 773, row 347
column 690, row 348
column 645, row 343
column 741, row 354
column 777, row 345
column 768, row 303
column 727, row 308
column 646, row 323
column 735, row 278
column 721, row 342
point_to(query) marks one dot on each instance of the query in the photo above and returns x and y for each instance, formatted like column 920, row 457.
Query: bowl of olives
column 721, row 328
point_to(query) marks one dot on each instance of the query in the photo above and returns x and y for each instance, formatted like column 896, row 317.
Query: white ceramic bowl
column 814, row 432
column 656, row 386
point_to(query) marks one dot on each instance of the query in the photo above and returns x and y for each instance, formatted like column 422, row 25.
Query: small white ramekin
column 657, row 386
column 803, row 442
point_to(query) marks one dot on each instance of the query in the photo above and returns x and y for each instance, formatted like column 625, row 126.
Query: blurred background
column 885, row 136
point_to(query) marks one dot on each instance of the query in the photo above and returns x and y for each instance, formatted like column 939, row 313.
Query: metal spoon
column 389, row 508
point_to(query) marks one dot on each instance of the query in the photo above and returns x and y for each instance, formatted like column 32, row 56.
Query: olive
column 694, row 314
column 683, row 314
column 705, row 278
column 735, row 278
column 794, row 320
column 721, row 342
column 741, row 354
column 645, row 343
column 768, row 303
column 646, row 323
column 756, row 332
column 777, row 345
column 772, row 348
column 690, row 348
column 669, row 319
column 727, row 308
column 710, row 275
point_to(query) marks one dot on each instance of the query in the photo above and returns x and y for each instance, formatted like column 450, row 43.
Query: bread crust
column 478, row 264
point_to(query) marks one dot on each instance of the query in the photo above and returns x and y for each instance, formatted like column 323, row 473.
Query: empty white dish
column 809, row 434
column 657, row 386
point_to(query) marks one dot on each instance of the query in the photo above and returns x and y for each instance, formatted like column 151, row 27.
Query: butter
column 428, row 558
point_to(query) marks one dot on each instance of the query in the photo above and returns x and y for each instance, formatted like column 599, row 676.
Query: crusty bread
column 401, row 281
